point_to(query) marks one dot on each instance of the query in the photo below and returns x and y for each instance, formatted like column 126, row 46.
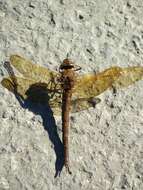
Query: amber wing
column 32, row 71
column 91, row 85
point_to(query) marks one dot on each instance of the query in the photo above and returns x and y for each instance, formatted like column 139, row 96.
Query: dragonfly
column 65, row 91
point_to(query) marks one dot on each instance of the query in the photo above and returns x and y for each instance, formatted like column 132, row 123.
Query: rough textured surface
column 106, row 143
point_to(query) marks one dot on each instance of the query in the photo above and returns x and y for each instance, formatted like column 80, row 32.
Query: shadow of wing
column 40, row 93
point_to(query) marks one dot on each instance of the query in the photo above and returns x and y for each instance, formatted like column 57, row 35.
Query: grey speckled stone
column 106, row 143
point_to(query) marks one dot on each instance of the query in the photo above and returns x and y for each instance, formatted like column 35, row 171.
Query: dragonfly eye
column 67, row 61
column 67, row 64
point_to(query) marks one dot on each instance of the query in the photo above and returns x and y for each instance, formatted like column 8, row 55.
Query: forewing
column 91, row 85
column 32, row 71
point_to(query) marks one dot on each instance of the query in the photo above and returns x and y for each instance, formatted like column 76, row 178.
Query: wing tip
column 8, row 84
column 14, row 56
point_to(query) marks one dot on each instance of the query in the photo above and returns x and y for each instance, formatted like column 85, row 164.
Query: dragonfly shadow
column 38, row 102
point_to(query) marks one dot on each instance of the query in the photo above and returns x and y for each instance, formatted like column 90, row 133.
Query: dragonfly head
column 68, row 64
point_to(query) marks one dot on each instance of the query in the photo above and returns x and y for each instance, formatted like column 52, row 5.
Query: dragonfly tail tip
column 68, row 170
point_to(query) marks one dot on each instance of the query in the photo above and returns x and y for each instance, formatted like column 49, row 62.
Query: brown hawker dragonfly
column 64, row 90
